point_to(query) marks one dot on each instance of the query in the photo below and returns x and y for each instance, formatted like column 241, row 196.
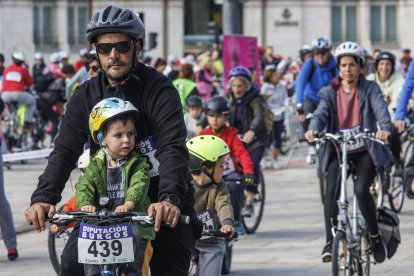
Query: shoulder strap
column 312, row 70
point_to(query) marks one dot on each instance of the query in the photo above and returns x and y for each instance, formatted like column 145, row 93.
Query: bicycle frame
column 352, row 233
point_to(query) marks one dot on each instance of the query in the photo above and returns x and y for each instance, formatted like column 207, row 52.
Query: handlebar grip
column 184, row 219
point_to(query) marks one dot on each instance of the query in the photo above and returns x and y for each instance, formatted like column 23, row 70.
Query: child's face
column 216, row 121
column 275, row 78
column 218, row 170
column 119, row 140
column 195, row 111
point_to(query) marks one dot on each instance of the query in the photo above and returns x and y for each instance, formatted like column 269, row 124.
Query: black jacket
column 373, row 115
column 160, row 116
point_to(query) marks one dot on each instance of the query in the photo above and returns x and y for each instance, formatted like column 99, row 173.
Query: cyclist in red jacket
column 16, row 82
column 238, row 161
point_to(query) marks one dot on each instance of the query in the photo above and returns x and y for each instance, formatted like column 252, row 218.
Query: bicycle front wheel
column 363, row 265
column 341, row 256
column 252, row 223
column 56, row 243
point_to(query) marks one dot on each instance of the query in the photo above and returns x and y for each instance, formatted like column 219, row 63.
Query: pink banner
column 241, row 51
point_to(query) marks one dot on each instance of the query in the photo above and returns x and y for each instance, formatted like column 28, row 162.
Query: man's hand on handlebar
column 382, row 135
column 164, row 211
column 310, row 135
column 35, row 214
column 399, row 125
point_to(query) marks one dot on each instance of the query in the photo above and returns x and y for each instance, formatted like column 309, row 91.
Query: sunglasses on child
column 105, row 48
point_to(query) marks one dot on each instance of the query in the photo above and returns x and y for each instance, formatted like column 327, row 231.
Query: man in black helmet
column 118, row 35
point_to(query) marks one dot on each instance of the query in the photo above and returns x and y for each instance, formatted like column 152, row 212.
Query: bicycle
column 408, row 144
column 226, row 266
column 110, row 252
column 351, row 246
column 252, row 222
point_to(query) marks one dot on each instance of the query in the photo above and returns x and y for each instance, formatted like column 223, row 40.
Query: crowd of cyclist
column 237, row 113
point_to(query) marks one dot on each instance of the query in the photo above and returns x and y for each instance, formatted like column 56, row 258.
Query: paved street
column 289, row 240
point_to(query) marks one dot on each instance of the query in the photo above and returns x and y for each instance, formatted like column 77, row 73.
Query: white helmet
column 38, row 55
column 107, row 109
column 54, row 57
column 63, row 55
column 350, row 48
column 19, row 56
column 83, row 52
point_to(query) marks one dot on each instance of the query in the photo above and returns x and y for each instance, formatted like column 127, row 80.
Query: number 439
column 105, row 247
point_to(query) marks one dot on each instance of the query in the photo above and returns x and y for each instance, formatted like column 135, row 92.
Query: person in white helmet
column 16, row 83
column 351, row 104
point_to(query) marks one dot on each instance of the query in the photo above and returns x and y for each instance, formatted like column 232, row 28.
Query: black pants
column 365, row 173
column 171, row 256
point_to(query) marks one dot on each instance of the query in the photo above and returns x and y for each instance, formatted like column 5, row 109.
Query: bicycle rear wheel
column 376, row 189
column 396, row 194
column 409, row 170
column 341, row 256
column 252, row 223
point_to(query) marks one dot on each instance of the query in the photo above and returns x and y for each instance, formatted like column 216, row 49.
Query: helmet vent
column 106, row 13
column 116, row 15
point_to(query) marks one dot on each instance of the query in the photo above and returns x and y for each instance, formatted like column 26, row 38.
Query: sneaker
column 378, row 248
column 248, row 210
column 12, row 254
column 327, row 252
column 239, row 228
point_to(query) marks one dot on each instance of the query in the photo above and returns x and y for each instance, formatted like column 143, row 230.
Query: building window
column 344, row 20
column 383, row 21
column 197, row 15
column 77, row 22
column 43, row 31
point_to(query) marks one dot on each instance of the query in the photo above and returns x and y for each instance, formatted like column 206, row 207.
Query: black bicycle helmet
column 115, row 20
column 194, row 101
column 217, row 105
column 385, row 56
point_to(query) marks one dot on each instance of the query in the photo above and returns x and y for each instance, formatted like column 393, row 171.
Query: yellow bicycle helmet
column 205, row 150
column 103, row 111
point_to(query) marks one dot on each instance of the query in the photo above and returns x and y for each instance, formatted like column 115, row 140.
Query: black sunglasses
column 105, row 48
column 94, row 68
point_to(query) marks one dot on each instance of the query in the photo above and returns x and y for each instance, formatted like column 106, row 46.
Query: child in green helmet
column 212, row 199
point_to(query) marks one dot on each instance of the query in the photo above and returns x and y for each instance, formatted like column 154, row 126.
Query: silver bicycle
column 351, row 247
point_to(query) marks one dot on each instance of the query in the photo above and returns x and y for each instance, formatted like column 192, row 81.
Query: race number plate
column 228, row 165
column 105, row 244
column 207, row 220
column 147, row 148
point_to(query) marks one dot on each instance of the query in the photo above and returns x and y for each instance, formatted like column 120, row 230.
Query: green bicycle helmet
column 205, row 150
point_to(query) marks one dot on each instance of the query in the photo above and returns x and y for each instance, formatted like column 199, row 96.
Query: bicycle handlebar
column 143, row 219
column 218, row 233
column 340, row 138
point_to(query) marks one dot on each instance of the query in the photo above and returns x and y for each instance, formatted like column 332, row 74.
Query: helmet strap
column 210, row 175
column 119, row 161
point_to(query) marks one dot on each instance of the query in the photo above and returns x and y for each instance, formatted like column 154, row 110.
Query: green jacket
column 93, row 184
column 184, row 88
